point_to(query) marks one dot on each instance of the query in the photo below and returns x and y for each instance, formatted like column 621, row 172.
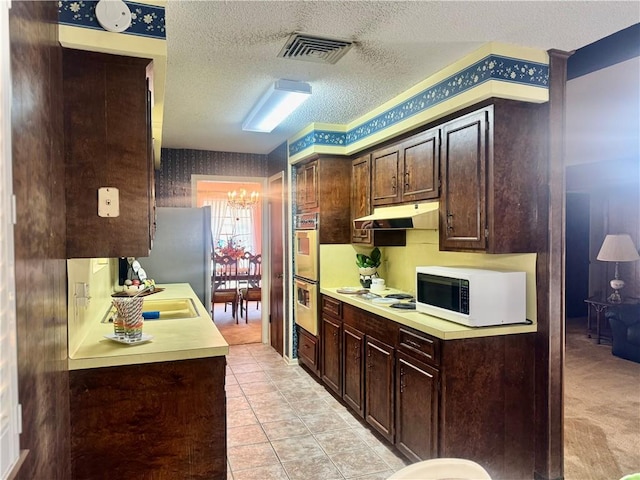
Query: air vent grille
column 312, row 48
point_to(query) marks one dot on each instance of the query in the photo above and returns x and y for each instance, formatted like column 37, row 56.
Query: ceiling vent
column 312, row 48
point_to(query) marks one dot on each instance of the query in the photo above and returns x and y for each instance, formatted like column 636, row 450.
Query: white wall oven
column 306, row 271
column 306, row 246
column 306, row 305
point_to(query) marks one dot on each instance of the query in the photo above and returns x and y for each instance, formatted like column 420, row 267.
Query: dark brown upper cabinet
column 307, row 186
column 323, row 185
column 361, row 206
column 407, row 171
column 107, row 137
column 491, row 165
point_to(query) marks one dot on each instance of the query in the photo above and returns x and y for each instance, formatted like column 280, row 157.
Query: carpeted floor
column 242, row 332
column 602, row 409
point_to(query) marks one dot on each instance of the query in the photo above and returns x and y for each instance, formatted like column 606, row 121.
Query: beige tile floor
column 281, row 424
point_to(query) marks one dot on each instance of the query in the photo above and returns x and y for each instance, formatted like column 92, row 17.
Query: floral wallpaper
column 492, row 67
column 146, row 20
column 173, row 179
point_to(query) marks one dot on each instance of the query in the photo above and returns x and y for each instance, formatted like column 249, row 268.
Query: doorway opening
column 238, row 306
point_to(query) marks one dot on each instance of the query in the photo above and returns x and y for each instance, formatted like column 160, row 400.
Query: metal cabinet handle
column 406, row 180
column 411, row 343
column 449, row 222
column 394, row 183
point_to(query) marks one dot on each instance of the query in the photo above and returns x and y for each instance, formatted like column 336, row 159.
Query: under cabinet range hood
column 401, row 217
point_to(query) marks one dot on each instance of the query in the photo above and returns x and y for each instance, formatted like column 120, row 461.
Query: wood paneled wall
column 173, row 179
column 41, row 301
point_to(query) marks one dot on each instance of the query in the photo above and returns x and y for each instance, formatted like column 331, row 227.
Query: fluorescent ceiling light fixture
column 282, row 98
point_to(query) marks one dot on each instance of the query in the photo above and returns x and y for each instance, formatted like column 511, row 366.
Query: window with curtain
column 232, row 228
column 238, row 225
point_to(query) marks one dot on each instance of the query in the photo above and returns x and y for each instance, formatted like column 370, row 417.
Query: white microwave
column 472, row 296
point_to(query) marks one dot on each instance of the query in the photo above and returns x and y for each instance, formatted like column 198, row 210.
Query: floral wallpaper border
column 492, row 67
column 146, row 20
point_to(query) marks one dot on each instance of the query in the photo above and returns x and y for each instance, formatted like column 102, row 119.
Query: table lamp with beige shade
column 617, row 248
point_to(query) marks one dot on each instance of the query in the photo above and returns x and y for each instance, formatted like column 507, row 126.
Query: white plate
column 350, row 290
column 145, row 338
column 385, row 301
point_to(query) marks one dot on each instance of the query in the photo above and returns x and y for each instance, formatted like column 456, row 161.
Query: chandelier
column 242, row 199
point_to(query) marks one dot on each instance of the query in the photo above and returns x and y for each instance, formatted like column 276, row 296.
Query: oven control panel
column 306, row 221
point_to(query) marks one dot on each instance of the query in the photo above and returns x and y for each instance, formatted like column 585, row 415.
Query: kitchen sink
column 168, row 309
column 171, row 308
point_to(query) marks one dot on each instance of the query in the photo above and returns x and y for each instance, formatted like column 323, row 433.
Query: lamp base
column 614, row 297
column 616, row 284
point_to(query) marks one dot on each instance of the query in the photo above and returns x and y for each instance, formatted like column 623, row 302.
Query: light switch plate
column 108, row 202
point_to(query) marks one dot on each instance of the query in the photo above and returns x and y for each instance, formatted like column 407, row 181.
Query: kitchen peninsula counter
column 173, row 339
column 443, row 329
column 151, row 410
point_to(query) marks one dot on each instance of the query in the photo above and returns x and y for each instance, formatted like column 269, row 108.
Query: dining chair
column 225, row 284
column 253, row 290
column 243, row 270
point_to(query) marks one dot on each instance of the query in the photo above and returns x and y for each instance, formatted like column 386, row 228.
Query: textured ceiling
column 222, row 55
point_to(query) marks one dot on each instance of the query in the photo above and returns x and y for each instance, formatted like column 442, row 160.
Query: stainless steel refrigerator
column 181, row 251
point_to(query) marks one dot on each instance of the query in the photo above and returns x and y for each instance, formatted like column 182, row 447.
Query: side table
column 599, row 304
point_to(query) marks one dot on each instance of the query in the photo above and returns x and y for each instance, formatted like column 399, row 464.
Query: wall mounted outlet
column 82, row 294
column 82, row 289
column 108, row 202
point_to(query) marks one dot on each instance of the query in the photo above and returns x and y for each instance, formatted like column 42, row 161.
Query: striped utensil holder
column 129, row 321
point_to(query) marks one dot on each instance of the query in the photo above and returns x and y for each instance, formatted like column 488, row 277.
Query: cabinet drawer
column 308, row 349
column 331, row 306
column 419, row 346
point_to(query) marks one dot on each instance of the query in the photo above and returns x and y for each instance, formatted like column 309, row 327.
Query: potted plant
column 368, row 266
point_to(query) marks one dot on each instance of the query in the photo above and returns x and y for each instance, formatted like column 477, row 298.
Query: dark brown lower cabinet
column 331, row 341
column 153, row 421
column 465, row 398
column 379, row 383
column 353, row 371
column 416, row 408
column 308, row 349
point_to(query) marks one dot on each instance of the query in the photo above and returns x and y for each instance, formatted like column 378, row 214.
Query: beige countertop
column 176, row 339
column 422, row 322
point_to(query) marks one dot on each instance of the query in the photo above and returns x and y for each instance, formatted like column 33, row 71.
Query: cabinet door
column 331, row 353
column 416, row 409
column 361, row 206
column 420, row 166
column 311, row 185
column 307, row 186
column 307, row 349
column 106, row 141
column 353, row 373
column 463, row 208
column 360, row 196
column 384, row 175
column 300, row 188
column 151, row 163
column 379, row 386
